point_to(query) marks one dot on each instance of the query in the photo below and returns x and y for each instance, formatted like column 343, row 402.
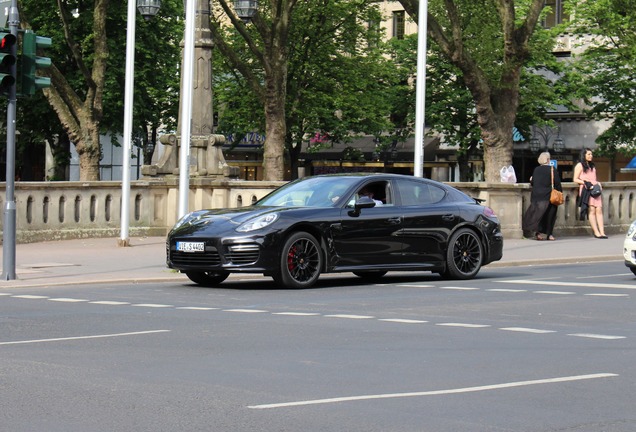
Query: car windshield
column 309, row 192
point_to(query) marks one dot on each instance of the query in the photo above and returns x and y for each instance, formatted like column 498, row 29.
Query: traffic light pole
column 9, row 226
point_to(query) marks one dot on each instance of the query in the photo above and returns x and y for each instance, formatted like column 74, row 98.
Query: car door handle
column 448, row 217
column 395, row 220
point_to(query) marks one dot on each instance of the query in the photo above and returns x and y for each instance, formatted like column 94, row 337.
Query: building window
column 555, row 14
column 398, row 24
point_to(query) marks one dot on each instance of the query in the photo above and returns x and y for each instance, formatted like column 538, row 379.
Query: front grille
column 209, row 258
column 206, row 258
column 243, row 254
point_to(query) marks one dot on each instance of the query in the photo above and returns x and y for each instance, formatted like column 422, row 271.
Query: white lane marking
column 555, row 292
column 459, row 288
column 349, row 316
column 596, row 336
column 607, row 295
column 569, row 284
column 27, row 296
column 5, row 294
column 437, row 392
column 197, row 308
column 413, row 285
column 466, row 325
column 296, row 313
column 403, row 321
column 245, row 310
column 604, row 276
column 153, row 305
column 527, row 330
column 109, row 302
column 507, row 290
column 83, row 337
column 68, row 300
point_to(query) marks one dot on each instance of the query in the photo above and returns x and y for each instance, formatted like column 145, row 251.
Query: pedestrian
column 590, row 199
column 539, row 219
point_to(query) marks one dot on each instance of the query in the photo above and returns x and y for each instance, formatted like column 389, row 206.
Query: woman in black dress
column 538, row 221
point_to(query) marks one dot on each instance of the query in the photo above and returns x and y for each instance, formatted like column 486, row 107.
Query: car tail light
column 488, row 212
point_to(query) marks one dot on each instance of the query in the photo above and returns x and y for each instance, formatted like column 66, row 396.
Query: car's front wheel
column 208, row 279
column 464, row 255
column 300, row 261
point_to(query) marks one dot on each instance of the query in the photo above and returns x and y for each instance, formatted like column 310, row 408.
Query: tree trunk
column 275, row 124
column 496, row 118
column 89, row 156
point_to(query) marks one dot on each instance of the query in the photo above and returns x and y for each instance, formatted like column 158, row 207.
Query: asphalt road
column 545, row 348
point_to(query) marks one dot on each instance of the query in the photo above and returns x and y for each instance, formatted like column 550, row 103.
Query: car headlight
column 258, row 223
column 631, row 232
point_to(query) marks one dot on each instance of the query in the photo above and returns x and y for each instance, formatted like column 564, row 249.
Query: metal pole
column 128, row 117
column 186, row 109
column 9, row 229
column 420, row 89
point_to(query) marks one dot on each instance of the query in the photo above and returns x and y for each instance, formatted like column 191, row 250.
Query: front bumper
column 255, row 254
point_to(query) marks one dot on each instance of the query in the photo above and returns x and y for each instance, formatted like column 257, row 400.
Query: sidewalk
column 100, row 260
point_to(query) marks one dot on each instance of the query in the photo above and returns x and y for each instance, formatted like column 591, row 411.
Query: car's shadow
column 340, row 280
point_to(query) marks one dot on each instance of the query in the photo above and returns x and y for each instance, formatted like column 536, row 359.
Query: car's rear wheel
column 300, row 261
column 208, row 279
column 464, row 255
column 633, row 269
column 370, row 275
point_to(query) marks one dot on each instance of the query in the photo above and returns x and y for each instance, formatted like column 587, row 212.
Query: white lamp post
column 420, row 89
column 148, row 8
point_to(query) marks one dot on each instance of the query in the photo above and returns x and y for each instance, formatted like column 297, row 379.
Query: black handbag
column 596, row 190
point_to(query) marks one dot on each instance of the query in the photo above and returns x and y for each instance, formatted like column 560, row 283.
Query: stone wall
column 62, row 210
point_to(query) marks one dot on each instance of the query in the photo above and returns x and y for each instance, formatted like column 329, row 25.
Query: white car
column 629, row 248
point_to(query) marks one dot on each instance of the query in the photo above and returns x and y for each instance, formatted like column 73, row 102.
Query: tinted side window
column 416, row 193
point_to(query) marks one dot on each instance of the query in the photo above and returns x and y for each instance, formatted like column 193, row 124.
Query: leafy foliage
column 604, row 72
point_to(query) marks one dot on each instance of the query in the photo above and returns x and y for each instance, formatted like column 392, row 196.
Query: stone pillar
column 206, row 156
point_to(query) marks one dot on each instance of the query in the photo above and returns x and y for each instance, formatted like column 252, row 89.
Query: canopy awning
column 631, row 166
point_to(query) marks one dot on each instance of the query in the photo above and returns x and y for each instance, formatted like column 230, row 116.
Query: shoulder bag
column 556, row 197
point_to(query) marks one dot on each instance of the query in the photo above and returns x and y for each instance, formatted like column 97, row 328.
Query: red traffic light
column 7, row 41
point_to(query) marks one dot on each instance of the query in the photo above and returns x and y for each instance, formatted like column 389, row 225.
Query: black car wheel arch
column 464, row 255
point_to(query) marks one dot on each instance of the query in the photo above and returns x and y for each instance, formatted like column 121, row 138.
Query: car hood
column 221, row 218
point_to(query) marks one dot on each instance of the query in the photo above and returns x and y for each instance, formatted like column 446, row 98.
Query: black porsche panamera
column 367, row 224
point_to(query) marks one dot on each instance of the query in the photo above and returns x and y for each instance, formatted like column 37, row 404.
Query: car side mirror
column 362, row 202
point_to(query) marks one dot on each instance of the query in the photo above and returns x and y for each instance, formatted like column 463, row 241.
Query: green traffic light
column 31, row 63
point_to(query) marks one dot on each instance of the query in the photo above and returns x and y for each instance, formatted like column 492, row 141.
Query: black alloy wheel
column 300, row 261
column 207, row 279
column 464, row 255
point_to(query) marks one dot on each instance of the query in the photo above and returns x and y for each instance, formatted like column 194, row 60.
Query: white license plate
column 191, row 246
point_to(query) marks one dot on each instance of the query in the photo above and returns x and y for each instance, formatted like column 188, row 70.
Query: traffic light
column 7, row 61
column 31, row 62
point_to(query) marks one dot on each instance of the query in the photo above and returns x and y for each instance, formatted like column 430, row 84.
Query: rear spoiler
column 478, row 200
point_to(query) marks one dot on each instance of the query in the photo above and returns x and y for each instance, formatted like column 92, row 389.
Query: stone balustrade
column 63, row 210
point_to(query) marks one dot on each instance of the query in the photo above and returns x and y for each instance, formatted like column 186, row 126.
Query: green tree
column 88, row 54
column 605, row 71
column 488, row 41
column 338, row 82
column 450, row 106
